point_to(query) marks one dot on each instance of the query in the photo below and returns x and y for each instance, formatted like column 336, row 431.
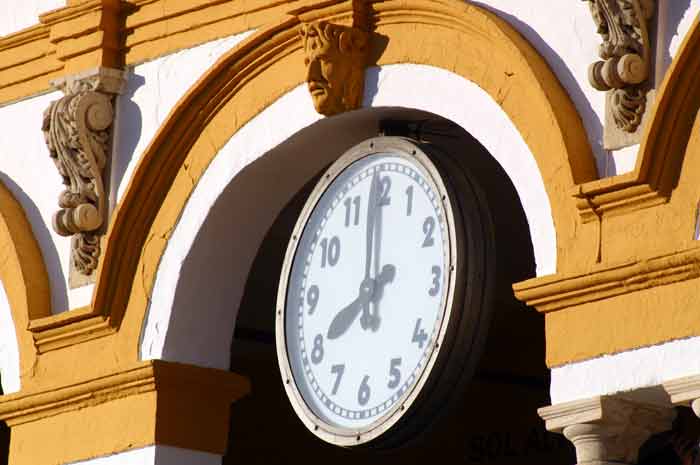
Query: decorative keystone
column 78, row 131
column 607, row 430
column 335, row 59
column 626, row 57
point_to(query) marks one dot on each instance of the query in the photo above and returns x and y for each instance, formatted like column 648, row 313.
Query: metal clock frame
column 448, row 362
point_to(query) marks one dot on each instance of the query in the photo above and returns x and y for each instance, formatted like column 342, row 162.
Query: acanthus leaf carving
column 626, row 57
column 77, row 130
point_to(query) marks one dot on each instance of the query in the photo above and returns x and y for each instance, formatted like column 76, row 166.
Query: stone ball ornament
column 384, row 297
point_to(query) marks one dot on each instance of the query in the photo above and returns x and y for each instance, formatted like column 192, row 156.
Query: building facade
column 156, row 154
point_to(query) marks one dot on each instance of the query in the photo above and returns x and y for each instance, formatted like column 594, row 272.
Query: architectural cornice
column 557, row 292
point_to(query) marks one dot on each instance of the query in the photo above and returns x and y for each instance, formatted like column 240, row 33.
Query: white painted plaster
column 9, row 352
column 16, row 15
column 442, row 93
column 626, row 371
column 29, row 173
column 565, row 35
column 156, row 455
column 152, row 91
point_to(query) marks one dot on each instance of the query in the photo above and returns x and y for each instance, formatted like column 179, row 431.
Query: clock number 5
column 364, row 391
column 394, row 372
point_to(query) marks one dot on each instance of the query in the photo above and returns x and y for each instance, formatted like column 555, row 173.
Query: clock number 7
column 338, row 371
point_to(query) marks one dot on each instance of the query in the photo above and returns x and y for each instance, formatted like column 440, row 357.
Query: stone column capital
column 607, row 429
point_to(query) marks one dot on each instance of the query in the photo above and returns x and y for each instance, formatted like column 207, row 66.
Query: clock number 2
column 428, row 228
column 317, row 351
column 364, row 391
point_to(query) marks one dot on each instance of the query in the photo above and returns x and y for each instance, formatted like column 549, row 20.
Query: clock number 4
column 419, row 336
column 330, row 251
column 317, row 351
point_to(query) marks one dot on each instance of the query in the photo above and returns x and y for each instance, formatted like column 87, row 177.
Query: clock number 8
column 317, row 351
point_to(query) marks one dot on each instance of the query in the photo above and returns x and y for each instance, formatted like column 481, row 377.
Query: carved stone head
column 335, row 65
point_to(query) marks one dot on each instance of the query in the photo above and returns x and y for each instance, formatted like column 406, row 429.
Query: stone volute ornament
column 77, row 130
column 335, row 59
column 626, row 57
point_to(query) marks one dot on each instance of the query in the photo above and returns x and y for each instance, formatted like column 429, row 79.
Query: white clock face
column 367, row 290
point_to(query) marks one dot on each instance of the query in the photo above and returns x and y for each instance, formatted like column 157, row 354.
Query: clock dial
column 367, row 291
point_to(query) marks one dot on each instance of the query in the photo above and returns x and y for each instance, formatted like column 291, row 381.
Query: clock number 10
column 330, row 251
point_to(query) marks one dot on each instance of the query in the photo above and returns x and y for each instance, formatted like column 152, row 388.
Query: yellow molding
column 23, row 275
column 560, row 291
column 153, row 402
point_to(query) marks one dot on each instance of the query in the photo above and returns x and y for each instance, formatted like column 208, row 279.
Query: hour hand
column 344, row 319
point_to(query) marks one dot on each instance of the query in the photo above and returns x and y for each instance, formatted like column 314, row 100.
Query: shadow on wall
column 594, row 127
column 127, row 134
column 59, row 293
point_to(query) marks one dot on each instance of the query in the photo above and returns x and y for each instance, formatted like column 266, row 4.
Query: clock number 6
column 363, row 393
column 317, row 351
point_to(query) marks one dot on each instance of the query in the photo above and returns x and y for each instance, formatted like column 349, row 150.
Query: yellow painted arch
column 23, row 274
column 452, row 35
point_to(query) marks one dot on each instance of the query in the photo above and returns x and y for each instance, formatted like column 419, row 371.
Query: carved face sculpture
column 335, row 57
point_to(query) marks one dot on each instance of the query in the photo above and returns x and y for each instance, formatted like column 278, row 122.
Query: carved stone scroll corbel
column 78, row 131
column 335, row 59
column 626, row 57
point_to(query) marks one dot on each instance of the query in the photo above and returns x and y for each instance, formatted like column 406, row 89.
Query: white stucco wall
column 16, row 15
column 156, row 455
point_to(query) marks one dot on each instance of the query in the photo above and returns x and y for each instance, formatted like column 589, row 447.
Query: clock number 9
column 330, row 251
column 312, row 298
column 317, row 351
column 363, row 393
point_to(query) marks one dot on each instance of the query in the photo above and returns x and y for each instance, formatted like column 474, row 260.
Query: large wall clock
column 383, row 295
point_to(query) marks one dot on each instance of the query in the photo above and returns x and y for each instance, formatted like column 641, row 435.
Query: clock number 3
column 433, row 291
column 317, row 351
